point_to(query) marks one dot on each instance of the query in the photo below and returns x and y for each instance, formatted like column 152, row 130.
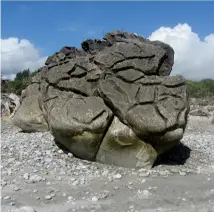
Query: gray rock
column 48, row 197
column 29, row 116
column 117, row 176
column 26, row 176
column 112, row 102
column 7, row 198
column 26, row 209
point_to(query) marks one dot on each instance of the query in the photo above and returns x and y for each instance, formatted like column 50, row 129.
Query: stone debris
column 48, row 197
column 117, row 176
column 26, row 209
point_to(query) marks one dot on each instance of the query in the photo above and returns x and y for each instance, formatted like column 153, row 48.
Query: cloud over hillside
column 17, row 55
column 194, row 58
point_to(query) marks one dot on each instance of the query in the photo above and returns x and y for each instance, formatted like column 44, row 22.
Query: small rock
column 117, row 176
column 48, row 197
column 144, row 174
column 7, row 197
column 146, row 193
column 70, row 198
column 26, row 176
column 26, row 209
column 143, row 181
column 12, row 203
column 60, row 151
column 105, row 172
column 174, row 170
column 94, row 199
column 53, row 195
column 70, row 155
column 35, row 179
column 4, row 183
column 15, row 188
column 182, row 173
column 75, row 183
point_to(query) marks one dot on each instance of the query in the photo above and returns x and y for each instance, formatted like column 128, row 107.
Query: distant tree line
column 21, row 81
column 196, row 89
column 201, row 89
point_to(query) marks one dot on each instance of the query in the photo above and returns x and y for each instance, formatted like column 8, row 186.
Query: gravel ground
column 36, row 173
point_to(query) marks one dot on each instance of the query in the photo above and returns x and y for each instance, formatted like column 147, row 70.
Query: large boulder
column 29, row 116
column 112, row 101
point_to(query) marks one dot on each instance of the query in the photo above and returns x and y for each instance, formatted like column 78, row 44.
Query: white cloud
column 17, row 55
column 194, row 58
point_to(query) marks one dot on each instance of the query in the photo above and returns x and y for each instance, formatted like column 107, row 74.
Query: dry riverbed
column 37, row 174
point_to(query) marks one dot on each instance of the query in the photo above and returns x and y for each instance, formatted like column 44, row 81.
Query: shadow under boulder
column 178, row 155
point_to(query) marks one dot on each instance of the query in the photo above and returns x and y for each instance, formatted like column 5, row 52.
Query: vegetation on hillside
column 21, row 81
column 196, row 89
column 201, row 89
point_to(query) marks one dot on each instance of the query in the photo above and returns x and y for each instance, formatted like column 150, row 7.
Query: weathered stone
column 94, row 45
column 79, row 124
column 122, row 147
column 29, row 116
column 112, row 101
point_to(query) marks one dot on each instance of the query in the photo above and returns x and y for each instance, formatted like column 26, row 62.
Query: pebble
column 60, row 151
column 70, row 198
column 173, row 170
column 26, row 176
column 7, row 197
column 26, row 209
column 143, row 180
column 117, row 176
column 35, row 179
column 15, row 188
column 94, row 199
column 4, row 183
column 75, row 183
column 48, row 197
column 70, row 155
column 182, row 173
column 53, row 195
column 146, row 193
column 144, row 174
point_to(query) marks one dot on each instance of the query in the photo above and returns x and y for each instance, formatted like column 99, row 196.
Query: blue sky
column 51, row 25
column 31, row 31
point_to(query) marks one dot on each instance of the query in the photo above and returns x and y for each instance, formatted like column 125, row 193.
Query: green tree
column 21, row 81
column 22, row 74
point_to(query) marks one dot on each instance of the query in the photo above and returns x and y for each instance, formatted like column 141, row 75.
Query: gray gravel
column 36, row 175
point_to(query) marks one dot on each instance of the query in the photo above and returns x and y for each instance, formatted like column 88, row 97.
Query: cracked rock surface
column 112, row 101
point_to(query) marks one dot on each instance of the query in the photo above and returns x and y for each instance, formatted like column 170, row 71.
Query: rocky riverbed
column 37, row 175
